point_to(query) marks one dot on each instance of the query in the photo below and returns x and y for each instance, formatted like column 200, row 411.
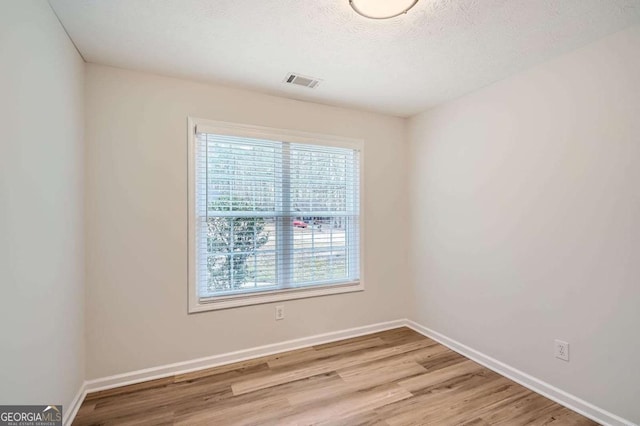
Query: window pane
column 241, row 254
column 320, row 251
column 242, row 174
column 323, row 180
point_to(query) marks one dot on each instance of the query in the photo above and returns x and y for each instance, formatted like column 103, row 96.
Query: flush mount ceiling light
column 382, row 9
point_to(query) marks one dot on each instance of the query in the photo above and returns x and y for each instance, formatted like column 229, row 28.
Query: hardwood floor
column 396, row 377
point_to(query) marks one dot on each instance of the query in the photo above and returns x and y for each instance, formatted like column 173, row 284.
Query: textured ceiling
column 440, row 50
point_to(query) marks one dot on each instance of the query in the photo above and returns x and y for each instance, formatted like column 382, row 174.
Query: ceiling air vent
column 301, row 80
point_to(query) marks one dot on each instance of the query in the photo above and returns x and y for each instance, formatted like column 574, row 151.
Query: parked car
column 299, row 224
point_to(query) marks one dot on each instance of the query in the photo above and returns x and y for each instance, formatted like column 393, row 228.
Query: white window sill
column 236, row 300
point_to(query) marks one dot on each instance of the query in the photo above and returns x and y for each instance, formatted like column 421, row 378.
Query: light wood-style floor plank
column 395, row 377
column 316, row 353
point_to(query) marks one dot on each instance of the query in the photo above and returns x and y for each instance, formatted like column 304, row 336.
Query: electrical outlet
column 561, row 350
column 279, row 312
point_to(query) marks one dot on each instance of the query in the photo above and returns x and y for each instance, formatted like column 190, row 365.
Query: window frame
column 195, row 304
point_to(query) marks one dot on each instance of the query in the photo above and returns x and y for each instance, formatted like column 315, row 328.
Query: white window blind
column 274, row 215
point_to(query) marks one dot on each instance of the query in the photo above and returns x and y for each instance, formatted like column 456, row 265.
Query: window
column 274, row 215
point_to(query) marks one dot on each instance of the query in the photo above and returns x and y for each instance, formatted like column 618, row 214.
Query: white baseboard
column 231, row 357
column 71, row 411
column 545, row 389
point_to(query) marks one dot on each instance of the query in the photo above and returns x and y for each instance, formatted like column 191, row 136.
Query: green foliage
column 231, row 241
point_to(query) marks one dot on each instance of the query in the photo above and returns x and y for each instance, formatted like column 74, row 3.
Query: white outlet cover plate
column 561, row 350
column 279, row 312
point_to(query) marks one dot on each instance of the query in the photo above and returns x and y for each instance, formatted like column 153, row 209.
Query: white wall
column 136, row 201
column 525, row 201
column 41, row 209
